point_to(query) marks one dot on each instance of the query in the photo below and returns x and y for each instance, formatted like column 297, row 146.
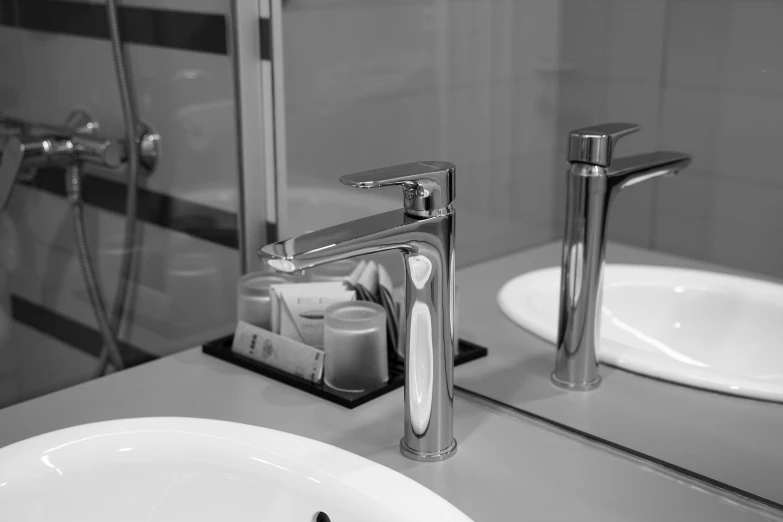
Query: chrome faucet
column 593, row 180
column 423, row 231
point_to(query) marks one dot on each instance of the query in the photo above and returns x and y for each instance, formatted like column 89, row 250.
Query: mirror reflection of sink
column 198, row 470
column 704, row 329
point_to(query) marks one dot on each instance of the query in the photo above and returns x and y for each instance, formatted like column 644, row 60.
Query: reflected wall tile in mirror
column 631, row 215
column 536, row 196
column 729, row 222
column 12, row 86
column 498, row 40
column 584, row 36
column 696, row 42
column 65, row 366
column 581, row 102
column 636, row 102
column 636, row 40
column 355, row 52
column 185, row 96
column 753, row 53
column 198, row 6
column 342, row 137
column 684, row 215
column 748, row 204
column 497, row 130
column 691, row 121
column 747, row 247
column 41, row 216
column 721, row 221
column 748, row 139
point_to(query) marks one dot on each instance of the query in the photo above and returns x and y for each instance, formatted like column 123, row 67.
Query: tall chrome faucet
column 593, row 180
column 424, row 232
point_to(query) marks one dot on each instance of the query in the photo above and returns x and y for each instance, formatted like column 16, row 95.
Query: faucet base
column 428, row 457
column 576, row 386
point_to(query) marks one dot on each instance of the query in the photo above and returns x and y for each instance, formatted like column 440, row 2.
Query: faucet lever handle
column 593, row 145
column 428, row 185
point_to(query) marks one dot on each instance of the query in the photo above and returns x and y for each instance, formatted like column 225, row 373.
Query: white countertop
column 733, row 440
column 506, row 468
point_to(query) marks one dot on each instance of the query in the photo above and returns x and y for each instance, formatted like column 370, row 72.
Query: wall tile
column 684, row 236
column 749, row 247
column 581, row 102
column 684, row 216
column 721, row 221
column 42, row 217
column 40, row 365
column 691, row 121
column 759, row 206
column 537, row 194
column 697, row 44
column 636, row 40
column 632, row 210
column 382, row 51
column 634, row 103
column 184, row 291
column 12, row 98
column 753, row 50
column 186, row 97
column 748, row 138
column 199, row 6
column 495, row 86
column 350, row 136
column 584, row 42
column 392, row 48
column 315, row 203
column 499, row 40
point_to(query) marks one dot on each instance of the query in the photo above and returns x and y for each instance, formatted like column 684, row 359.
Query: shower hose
column 110, row 327
column 110, row 352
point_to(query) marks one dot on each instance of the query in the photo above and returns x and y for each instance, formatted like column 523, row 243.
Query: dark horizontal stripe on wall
column 70, row 332
column 9, row 12
column 199, row 32
column 265, row 37
column 200, row 221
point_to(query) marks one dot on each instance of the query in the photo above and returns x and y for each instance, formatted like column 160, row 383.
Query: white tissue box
column 279, row 352
column 298, row 309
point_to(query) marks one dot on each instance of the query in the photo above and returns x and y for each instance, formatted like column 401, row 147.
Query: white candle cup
column 254, row 304
column 355, row 346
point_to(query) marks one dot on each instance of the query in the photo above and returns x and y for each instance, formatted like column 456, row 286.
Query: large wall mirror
column 495, row 87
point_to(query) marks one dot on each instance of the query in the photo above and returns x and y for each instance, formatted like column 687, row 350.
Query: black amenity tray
column 221, row 348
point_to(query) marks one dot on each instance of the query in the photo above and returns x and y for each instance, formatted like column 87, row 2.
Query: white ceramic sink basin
column 702, row 329
column 198, row 470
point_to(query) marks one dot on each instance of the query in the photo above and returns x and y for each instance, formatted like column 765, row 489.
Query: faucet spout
column 631, row 170
column 368, row 235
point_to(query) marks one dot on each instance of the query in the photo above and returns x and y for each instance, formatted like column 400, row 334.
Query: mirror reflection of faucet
column 594, row 178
